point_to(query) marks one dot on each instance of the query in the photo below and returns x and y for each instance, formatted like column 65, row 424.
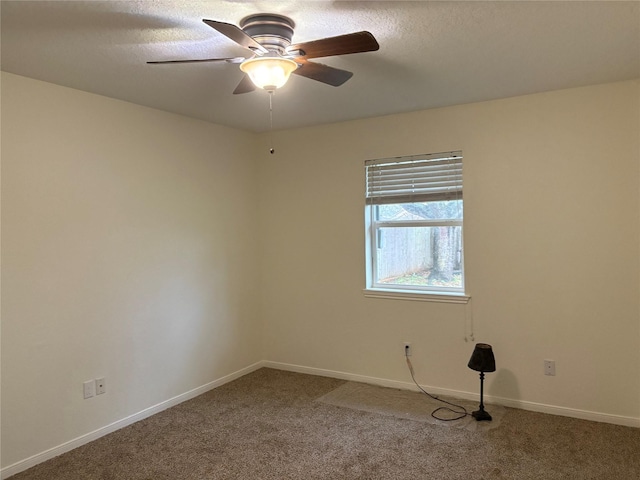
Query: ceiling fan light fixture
column 268, row 73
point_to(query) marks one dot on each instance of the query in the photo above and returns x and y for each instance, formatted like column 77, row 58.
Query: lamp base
column 481, row 414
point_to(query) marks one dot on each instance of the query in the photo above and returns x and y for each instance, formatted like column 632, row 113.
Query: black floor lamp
column 482, row 360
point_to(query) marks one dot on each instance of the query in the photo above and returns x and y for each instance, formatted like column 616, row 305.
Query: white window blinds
column 418, row 178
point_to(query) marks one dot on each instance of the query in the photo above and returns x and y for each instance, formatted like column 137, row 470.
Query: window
column 414, row 222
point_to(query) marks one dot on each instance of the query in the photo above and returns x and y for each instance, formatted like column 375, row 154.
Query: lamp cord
column 461, row 414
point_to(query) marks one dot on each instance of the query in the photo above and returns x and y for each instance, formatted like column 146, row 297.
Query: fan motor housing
column 273, row 32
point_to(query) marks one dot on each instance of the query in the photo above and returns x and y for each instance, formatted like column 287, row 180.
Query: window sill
column 416, row 295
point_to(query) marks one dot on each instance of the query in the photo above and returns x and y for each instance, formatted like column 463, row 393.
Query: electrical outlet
column 407, row 349
column 550, row 367
column 101, row 386
column 89, row 388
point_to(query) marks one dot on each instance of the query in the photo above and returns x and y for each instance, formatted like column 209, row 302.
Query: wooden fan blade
column 236, row 34
column 245, row 86
column 322, row 73
column 340, row 45
column 228, row 60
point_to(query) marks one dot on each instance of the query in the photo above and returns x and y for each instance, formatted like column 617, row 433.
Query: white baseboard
column 136, row 417
column 507, row 402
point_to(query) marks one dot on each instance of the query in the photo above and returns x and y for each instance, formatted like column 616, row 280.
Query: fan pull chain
column 271, row 150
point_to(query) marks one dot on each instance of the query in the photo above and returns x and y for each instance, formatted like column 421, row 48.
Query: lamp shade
column 268, row 73
column 482, row 359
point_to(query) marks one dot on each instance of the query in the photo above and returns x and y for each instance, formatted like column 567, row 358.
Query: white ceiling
column 431, row 54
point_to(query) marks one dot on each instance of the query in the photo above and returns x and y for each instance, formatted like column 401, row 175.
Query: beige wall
column 551, row 238
column 128, row 251
column 150, row 249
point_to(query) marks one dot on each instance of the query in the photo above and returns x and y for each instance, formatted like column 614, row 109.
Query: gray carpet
column 274, row 425
column 412, row 406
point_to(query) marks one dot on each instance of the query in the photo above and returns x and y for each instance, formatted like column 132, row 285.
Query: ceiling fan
column 273, row 57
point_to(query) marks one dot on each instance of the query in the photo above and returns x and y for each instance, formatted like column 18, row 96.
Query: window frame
column 373, row 288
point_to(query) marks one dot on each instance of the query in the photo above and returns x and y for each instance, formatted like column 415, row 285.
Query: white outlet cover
column 550, row 367
column 101, row 386
column 89, row 389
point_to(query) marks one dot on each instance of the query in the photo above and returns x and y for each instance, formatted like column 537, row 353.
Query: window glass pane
column 445, row 210
column 420, row 256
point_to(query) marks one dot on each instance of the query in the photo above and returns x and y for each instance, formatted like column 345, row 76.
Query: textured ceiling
column 431, row 54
